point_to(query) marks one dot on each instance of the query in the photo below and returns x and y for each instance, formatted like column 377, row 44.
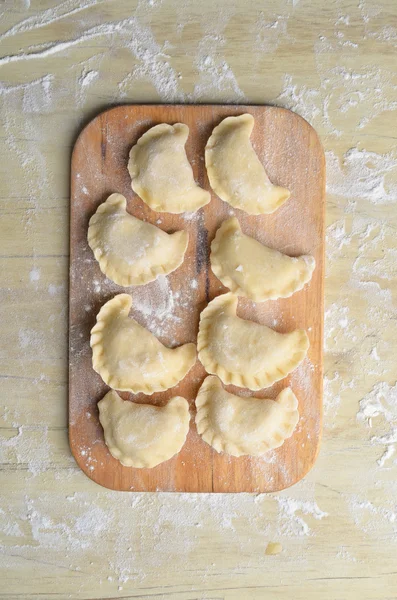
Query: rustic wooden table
column 62, row 536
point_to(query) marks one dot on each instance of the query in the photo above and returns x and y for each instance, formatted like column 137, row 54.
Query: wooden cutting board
column 170, row 307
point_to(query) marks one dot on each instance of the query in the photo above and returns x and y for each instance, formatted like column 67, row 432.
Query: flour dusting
column 364, row 175
column 29, row 448
column 60, row 65
column 291, row 522
column 381, row 404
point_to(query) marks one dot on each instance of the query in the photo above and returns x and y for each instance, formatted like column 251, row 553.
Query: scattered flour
column 358, row 176
column 87, row 77
column 343, row 94
column 34, row 275
column 364, row 176
column 158, row 306
column 214, row 72
column 31, row 339
column 52, row 48
column 371, row 518
column 53, row 289
column 72, row 526
column 54, row 14
column 302, row 377
column 293, row 524
column 381, row 404
column 345, row 555
column 381, row 401
column 29, row 448
column 388, row 453
column 269, row 34
column 153, row 66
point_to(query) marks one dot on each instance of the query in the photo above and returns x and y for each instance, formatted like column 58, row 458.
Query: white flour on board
column 43, row 110
column 157, row 305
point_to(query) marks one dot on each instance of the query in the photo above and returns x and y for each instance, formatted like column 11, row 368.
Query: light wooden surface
column 294, row 158
column 61, row 535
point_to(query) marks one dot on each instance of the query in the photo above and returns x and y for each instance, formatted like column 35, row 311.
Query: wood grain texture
column 293, row 157
column 61, row 535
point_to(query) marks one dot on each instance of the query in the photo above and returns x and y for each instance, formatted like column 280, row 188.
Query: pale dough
column 240, row 426
column 142, row 435
column 248, row 268
column 235, row 172
column 130, row 358
column 244, row 353
column 130, row 251
column 161, row 173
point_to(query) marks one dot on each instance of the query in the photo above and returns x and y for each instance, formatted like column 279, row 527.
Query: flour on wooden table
column 71, row 526
column 213, row 71
column 291, row 523
column 372, row 519
column 87, row 77
column 29, row 448
column 364, row 175
column 380, row 404
column 270, row 33
column 34, row 275
column 43, row 109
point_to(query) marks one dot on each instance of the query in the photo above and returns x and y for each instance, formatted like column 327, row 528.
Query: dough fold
column 248, row 268
column 244, row 353
column 143, row 435
column 161, row 173
column 130, row 251
column 244, row 426
column 235, row 172
column 130, row 358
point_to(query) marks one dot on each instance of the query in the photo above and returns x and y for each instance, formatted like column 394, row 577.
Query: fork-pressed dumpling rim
column 143, row 435
column 114, row 266
column 173, row 363
column 244, row 426
column 226, row 305
column 263, row 289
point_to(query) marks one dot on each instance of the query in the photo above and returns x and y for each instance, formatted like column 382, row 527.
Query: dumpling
column 160, row 171
column 240, row 426
column 130, row 358
column 248, row 268
column 234, row 171
column 130, row 251
column 245, row 353
column 143, row 435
